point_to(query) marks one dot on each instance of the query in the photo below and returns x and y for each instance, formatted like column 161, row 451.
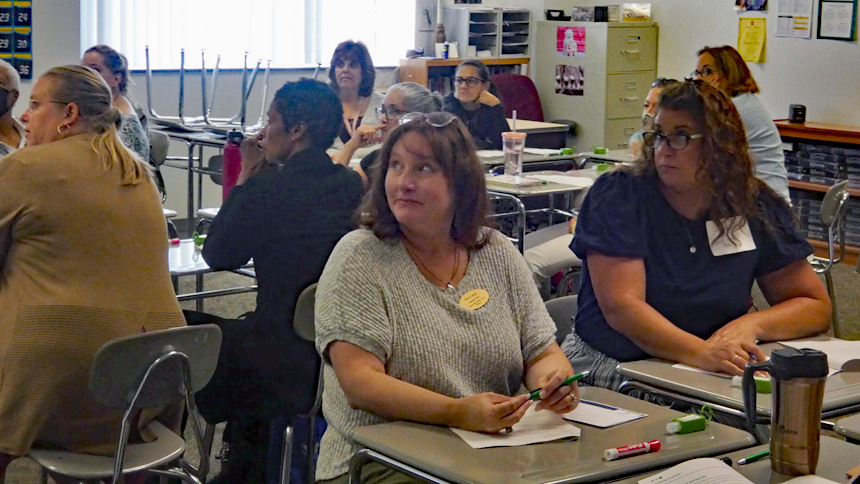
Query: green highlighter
column 535, row 394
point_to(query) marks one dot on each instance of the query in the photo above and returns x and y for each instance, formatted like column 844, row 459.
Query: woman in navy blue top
column 671, row 248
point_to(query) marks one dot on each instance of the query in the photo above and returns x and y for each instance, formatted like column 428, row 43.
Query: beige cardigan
column 83, row 260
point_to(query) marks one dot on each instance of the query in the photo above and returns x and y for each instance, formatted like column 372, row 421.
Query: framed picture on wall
column 837, row 19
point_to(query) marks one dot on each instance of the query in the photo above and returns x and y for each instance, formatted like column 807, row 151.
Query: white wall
column 822, row 74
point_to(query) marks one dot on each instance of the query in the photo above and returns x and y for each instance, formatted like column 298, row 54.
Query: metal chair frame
column 833, row 215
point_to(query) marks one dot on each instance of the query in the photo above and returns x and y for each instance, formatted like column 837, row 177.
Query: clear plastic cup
column 513, row 143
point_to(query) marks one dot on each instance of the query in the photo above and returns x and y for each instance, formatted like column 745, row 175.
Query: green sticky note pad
column 762, row 384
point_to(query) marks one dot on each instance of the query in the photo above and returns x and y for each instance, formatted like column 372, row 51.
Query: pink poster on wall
column 570, row 41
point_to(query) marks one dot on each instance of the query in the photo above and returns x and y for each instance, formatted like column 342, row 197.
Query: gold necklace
column 416, row 258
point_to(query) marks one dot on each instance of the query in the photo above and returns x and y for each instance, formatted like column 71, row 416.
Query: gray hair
column 417, row 98
column 9, row 78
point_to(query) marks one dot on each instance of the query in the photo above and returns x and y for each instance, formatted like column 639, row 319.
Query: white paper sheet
column 534, row 427
column 600, row 415
column 490, row 153
column 541, row 151
column 699, row 471
column 576, row 181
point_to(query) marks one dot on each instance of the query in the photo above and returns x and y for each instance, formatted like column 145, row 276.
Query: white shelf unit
column 503, row 32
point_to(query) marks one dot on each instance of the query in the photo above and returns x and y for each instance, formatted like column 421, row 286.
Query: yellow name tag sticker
column 475, row 299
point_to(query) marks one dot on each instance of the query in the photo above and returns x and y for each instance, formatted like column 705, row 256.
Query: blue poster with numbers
column 16, row 35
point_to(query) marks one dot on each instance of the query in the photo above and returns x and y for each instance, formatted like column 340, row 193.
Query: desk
column 516, row 194
column 185, row 259
column 445, row 457
column 841, row 392
column 542, row 135
column 849, row 427
column 835, row 458
column 199, row 140
column 611, row 156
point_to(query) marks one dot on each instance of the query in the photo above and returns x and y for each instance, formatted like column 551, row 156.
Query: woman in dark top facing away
column 473, row 103
column 671, row 248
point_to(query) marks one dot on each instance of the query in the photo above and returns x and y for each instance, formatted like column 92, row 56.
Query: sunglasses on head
column 439, row 119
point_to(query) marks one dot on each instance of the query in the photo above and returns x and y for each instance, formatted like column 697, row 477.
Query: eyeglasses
column 470, row 81
column 663, row 82
column 705, row 72
column 389, row 111
column 677, row 142
column 439, row 119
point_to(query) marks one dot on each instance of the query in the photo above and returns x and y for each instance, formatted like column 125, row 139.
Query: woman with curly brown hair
column 671, row 248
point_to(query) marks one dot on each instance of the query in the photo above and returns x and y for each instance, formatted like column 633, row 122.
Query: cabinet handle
column 631, row 85
column 630, row 52
column 629, row 98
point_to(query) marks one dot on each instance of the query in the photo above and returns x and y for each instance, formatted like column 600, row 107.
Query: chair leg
column 828, row 280
column 311, row 447
column 286, row 454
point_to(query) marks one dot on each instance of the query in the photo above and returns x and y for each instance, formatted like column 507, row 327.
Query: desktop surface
column 438, row 451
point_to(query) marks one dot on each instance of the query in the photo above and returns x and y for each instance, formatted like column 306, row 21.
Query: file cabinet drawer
column 618, row 132
column 625, row 94
column 631, row 49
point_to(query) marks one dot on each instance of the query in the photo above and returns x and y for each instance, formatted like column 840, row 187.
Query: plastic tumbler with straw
column 513, row 143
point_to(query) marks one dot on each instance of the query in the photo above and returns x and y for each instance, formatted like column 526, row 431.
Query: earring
column 60, row 129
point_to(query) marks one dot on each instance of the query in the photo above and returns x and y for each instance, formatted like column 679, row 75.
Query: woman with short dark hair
column 671, row 248
column 352, row 76
column 391, row 316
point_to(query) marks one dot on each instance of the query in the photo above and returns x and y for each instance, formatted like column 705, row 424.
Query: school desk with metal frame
column 437, row 455
column 849, row 427
column 834, row 459
column 185, row 259
column 841, row 392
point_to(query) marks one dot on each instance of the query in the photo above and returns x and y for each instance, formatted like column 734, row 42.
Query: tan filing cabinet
column 619, row 64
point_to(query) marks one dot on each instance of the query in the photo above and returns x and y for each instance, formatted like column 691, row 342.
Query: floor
column 846, row 283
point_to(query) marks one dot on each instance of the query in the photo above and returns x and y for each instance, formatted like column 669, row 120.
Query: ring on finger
column 734, row 358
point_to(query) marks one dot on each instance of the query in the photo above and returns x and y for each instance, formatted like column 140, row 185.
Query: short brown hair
column 732, row 69
column 354, row 51
column 453, row 149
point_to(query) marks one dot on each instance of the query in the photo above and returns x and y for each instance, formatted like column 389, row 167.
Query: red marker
column 628, row 450
column 175, row 241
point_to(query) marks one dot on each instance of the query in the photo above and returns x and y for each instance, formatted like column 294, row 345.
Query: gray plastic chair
column 562, row 310
column 303, row 324
column 144, row 371
column 158, row 146
column 832, row 216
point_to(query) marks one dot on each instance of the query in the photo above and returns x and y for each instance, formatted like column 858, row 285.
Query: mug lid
column 788, row 363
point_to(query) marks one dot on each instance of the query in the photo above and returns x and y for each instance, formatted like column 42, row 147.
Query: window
column 290, row 33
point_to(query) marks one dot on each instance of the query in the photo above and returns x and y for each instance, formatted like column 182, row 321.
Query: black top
column 367, row 163
column 287, row 221
column 486, row 124
column 625, row 215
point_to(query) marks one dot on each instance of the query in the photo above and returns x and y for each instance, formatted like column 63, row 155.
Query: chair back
column 562, row 310
column 158, row 144
column 303, row 317
column 518, row 93
column 148, row 369
column 216, row 166
column 834, row 202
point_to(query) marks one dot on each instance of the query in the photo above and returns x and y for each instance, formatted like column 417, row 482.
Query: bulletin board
column 16, row 35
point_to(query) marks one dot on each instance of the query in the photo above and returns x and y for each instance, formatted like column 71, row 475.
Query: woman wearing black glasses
column 671, row 248
column 724, row 68
column 426, row 314
column 475, row 105
column 401, row 98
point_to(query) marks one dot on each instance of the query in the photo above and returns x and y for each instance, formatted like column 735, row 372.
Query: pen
column 535, row 394
column 753, row 458
column 600, row 405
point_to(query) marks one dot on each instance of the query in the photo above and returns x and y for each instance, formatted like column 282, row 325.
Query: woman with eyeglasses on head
column 725, row 69
column 472, row 102
column 672, row 246
column 352, row 76
column 423, row 284
column 113, row 67
column 82, row 261
column 401, row 98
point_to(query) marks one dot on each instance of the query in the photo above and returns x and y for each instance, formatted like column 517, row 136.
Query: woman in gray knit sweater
column 426, row 314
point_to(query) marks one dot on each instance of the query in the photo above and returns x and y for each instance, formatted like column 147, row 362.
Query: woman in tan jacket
column 83, row 260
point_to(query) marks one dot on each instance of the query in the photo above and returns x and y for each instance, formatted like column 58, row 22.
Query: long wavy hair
column 85, row 88
column 729, row 172
column 452, row 147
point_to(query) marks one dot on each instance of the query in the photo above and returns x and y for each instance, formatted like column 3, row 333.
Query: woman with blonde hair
column 82, row 262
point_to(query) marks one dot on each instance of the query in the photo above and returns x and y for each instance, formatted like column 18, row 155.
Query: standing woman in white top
column 724, row 68
column 113, row 68
column 352, row 76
